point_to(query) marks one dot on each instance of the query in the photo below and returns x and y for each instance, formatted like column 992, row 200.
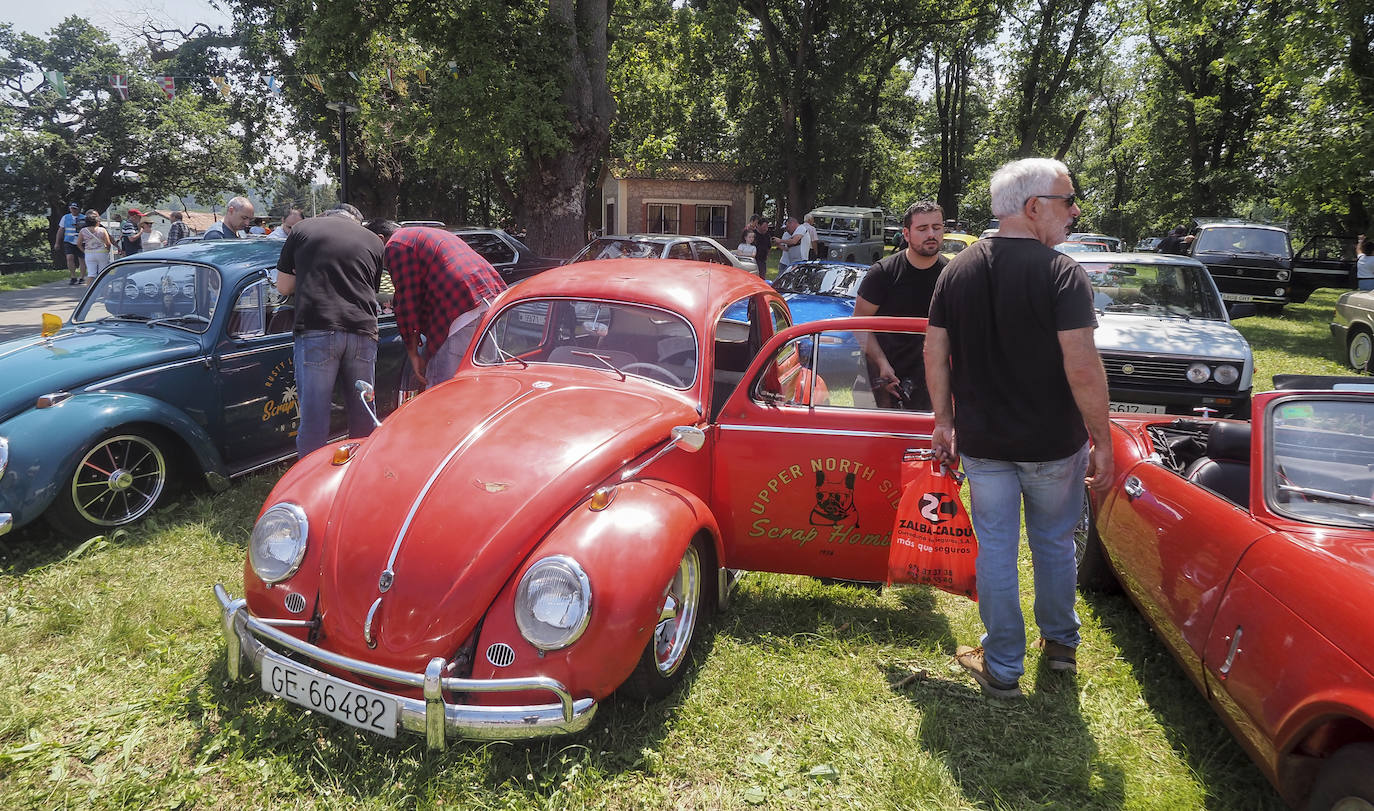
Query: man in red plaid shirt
column 442, row 289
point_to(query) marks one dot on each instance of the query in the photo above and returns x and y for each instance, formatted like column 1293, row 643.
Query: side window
column 680, row 250
column 781, row 319
column 1328, row 248
column 736, row 343
column 707, row 252
column 490, row 247
column 249, row 318
column 830, row 369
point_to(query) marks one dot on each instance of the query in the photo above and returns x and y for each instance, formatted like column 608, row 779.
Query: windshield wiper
column 601, row 359
column 170, row 319
column 123, row 317
column 506, row 357
column 1326, row 495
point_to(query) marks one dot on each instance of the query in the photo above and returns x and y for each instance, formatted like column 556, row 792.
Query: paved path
column 21, row 311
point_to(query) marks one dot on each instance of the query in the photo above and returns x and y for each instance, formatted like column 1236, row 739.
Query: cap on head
column 76, row 206
column 133, row 212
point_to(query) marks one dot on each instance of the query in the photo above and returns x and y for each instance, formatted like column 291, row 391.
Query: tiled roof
column 196, row 220
column 677, row 170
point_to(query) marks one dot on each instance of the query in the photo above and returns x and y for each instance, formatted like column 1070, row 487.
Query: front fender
column 47, row 442
column 629, row 551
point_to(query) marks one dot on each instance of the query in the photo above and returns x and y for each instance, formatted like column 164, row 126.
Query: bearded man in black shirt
column 901, row 284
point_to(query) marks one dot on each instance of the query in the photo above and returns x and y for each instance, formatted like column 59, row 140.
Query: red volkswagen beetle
column 1249, row 546
column 553, row 524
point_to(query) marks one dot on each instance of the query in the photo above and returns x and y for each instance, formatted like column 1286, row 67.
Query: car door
column 1325, row 261
column 806, row 468
column 257, row 378
column 1175, row 545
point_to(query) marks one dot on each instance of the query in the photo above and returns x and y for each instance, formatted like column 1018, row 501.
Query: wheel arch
column 1327, row 729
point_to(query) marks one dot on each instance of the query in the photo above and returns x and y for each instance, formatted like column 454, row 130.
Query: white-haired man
column 1014, row 375
column 237, row 215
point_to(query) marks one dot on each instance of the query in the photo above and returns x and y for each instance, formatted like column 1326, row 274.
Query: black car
column 1255, row 262
column 513, row 259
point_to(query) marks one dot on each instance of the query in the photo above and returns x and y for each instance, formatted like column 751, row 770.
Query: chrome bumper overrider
column 430, row 716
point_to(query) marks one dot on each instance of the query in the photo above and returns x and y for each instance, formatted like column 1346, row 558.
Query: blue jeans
column 321, row 357
column 1053, row 494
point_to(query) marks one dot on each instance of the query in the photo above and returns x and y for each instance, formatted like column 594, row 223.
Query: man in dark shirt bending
column 901, row 284
column 333, row 265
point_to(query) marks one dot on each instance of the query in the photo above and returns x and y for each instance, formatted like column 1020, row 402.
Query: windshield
column 628, row 338
column 1321, row 461
column 616, row 248
column 181, row 295
column 821, row 279
column 1154, row 290
column 1251, row 241
column 845, row 224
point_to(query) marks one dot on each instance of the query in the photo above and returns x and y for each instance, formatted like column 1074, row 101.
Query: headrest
column 1229, row 441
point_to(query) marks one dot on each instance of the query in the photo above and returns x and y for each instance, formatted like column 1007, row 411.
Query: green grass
column 113, row 694
column 33, row 278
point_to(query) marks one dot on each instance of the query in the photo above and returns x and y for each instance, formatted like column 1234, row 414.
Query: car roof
column 1141, row 259
column 698, row 290
column 847, row 211
column 229, row 255
column 1241, row 224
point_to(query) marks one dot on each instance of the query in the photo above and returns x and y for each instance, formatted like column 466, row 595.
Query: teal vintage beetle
column 176, row 367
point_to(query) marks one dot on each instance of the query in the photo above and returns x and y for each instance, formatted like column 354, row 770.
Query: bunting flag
column 57, row 81
column 169, row 86
column 222, row 84
column 120, row 84
column 314, row 80
column 354, row 76
column 422, row 76
column 273, row 86
column 391, row 78
column 453, row 69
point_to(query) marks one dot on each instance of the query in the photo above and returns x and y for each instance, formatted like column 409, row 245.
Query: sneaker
column 71, row 282
column 971, row 659
column 1058, row 656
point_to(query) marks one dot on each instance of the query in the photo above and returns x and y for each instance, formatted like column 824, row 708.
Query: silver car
column 662, row 246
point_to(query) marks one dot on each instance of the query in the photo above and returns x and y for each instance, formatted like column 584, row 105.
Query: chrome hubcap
column 1361, row 346
column 118, row 481
column 678, row 616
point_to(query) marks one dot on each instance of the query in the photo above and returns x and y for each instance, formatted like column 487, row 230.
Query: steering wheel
column 654, row 369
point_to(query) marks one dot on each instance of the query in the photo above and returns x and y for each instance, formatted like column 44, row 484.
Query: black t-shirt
column 338, row 268
column 1173, row 244
column 901, row 289
column 1004, row 301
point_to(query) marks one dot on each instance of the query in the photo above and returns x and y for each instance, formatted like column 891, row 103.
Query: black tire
column 117, row 481
column 1358, row 348
column 1094, row 574
column 663, row 662
column 1346, row 780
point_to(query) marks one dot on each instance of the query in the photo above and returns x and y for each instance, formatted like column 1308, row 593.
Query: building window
column 711, row 221
column 662, row 218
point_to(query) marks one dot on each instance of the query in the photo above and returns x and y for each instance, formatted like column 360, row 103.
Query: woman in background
column 96, row 242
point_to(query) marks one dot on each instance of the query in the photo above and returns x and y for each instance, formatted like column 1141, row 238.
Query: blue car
column 175, row 368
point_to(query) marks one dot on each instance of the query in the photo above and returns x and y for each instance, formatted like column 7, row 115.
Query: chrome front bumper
column 430, row 716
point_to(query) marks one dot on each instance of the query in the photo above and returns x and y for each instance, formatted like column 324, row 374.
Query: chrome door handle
column 1134, row 487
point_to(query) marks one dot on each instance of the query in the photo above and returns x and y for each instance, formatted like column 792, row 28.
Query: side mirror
column 368, row 395
column 1241, row 309
column 687, row 437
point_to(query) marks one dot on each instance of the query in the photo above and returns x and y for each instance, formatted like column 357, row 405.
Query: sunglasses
column 1068, row 198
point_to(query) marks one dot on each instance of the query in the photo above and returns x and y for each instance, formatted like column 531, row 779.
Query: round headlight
column 278, row 543
column 1226, row 374
column 1283, row 275
column 1198, row 373
column 553, row 603
column 1278, row 291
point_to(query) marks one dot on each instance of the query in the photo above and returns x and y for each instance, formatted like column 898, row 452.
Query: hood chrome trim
column 388, row 576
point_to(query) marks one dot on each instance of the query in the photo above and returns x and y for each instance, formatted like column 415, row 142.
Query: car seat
column 1225, row 470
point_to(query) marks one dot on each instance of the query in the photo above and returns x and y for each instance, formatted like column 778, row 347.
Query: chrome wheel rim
column 1081, row 531
column 1361, row 347
column 118, row 481
column 1352, row 804
column 678, row 616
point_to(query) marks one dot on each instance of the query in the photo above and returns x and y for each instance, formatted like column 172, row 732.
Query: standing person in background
column 796, row 244
column 746, row 247
column 901, row 284
column 443, row 288
column 237, row 215
column 1018, row 387
column 95, row 244
column 130, row 234
column 763, row 243
column 178, row 231
column 333, row 266
column 66, row 240
column 292, row 217
column 809, row 224
column 1364, row 266
column 148, row 239
column 1175, row 243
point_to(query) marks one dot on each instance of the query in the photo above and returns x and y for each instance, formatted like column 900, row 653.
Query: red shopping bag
column 932, row 539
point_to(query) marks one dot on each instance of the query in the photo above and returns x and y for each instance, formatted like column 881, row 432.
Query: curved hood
column 460, row 485
column 1118, row 332
column 76, row 357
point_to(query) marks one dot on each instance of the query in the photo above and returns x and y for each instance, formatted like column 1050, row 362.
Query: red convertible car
column 554, row 523
column 1249, row 547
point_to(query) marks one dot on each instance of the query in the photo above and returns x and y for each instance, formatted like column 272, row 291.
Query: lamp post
column 343, row 108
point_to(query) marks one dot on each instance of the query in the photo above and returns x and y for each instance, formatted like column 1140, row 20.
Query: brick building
column 677, row 197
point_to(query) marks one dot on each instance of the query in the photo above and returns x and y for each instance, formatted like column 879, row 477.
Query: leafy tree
column 92, row 146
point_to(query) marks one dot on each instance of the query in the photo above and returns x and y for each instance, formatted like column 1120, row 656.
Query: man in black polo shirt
column 901, row 284
column 333, row 265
